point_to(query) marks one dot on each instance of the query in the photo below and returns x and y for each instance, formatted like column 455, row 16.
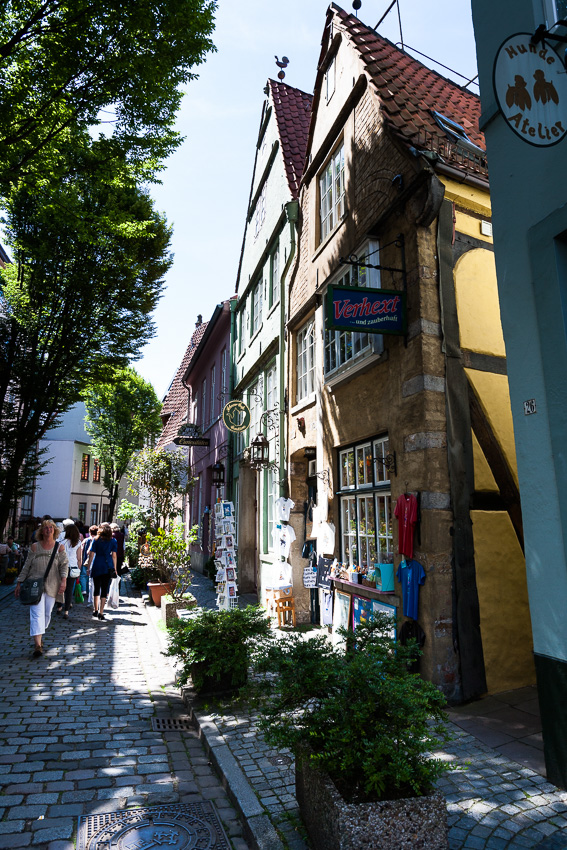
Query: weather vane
column 282, row 65
column 356, row 4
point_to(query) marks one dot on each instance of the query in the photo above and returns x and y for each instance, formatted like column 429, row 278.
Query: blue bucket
column 385, row 582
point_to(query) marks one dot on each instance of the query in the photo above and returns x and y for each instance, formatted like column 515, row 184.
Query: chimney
column 199, row 320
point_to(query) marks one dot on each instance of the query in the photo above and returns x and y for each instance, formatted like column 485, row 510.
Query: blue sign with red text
column 373, row 311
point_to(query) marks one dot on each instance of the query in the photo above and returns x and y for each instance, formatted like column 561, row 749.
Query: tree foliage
column 122, row 414
column 66, row 63
column 162, row 478
column 90, row 253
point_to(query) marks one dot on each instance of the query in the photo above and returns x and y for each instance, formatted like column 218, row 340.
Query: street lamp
column 218, row 474
column 259, row 452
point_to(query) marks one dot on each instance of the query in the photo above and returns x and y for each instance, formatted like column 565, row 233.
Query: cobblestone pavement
column 75, row 727
column 493, row 803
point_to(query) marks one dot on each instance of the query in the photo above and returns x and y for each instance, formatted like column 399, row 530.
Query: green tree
column 122, row 414
column 74, row 63
column 90, row 253
column 162, row 478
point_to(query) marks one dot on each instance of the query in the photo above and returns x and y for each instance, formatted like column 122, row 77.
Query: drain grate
column 280, row 760
column 171, row 724
column 187, row 826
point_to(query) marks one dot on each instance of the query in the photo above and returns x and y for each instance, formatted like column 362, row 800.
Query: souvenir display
column 225, row 556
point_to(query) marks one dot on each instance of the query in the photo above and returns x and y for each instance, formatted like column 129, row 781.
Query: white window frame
column 256, row 308
column 330, row 79
column 365, row 506
column 272, row 492
column 275, row 276
column 305, row 360
column 332, row 193
column 260, row 211
column 344, row 348
column 552, row 13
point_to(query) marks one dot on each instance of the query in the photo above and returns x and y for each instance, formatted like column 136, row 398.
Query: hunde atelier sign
column 530, row 84
column 376, row 311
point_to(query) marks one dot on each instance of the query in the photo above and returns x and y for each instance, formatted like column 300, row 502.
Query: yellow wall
column 483, row 478
column 504, row 614
column 494, row 396
column 477, row 303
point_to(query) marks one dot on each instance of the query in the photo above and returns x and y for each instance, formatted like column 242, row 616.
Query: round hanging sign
column 236, row 416
column 530, row 85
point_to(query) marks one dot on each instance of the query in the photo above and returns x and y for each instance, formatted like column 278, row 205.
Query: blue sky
column 205, row 188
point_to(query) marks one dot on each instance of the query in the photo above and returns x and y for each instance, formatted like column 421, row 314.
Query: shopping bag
column 79, row 593
column 91, row 591
column 113, row 600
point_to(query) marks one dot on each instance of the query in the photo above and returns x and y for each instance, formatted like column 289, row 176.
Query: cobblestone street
column 77, row 735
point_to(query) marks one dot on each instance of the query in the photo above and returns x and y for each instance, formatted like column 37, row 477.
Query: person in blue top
column 102, row 567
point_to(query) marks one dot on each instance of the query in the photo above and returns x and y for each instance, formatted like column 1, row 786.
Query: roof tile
column 293, row 111
column 175, row 402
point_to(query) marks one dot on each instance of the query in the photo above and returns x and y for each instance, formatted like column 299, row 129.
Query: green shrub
column 367, row 721
column 214, row 647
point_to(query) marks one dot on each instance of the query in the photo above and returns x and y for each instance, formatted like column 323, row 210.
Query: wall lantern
column 218, row 474
column 259, row 452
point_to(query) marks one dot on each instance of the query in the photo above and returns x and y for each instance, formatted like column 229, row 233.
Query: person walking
column 87, row 543
column 36, row 566
column 119, row 537
column 102, row 567
column 73, row 546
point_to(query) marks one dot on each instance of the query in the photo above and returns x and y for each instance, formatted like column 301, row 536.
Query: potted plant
column 214, row 647
column 362, row 728
column 170, row 559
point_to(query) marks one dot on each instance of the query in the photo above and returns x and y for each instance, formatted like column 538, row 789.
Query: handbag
column 31, row 590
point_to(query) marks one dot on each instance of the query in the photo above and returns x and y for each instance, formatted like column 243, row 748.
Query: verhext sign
column 530, row 84
column 365, row 310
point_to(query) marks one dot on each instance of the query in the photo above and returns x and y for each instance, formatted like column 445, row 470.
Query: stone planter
column 170, row 607
column 157, row 589
column 416, row 823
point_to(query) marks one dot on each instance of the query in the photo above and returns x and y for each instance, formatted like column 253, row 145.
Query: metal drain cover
column 280, row 760
column 171, row 724
column 187, row 826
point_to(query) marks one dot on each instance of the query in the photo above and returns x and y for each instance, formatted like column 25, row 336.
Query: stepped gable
column 174, row 410
column 293, row 113
column 409, row 90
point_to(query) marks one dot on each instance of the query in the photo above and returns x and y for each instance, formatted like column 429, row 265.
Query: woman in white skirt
column 35, row 566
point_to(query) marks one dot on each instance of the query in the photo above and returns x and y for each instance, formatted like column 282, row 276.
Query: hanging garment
column 283, row 509
column 406, row 513
column 283, row 536
column 411, row 575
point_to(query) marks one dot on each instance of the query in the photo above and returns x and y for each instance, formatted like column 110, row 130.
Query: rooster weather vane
column 282, row 65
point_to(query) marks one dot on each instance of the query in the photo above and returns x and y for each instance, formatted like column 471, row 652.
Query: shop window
column 94, row 513
column 85, row 466
column 343, row 348
column 82, row 512
column 96, row 471
column 555, row 11
column 365, row 504
column 332, row 193
column 306, row 360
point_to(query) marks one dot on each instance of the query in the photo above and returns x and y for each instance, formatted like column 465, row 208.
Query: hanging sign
column 189, row 429
column 236, row 416
column 530, row 84
column 373, row 311
column 191, row 441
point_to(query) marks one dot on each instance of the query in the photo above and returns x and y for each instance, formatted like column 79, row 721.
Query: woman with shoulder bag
column 48, row 561
column 102, row 567
column 73, row 547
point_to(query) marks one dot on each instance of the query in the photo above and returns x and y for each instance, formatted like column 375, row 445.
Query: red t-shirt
column 406, row 513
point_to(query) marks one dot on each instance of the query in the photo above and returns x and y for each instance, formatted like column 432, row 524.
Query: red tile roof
column 293, row 111
column 409, row 91
column 174, row 410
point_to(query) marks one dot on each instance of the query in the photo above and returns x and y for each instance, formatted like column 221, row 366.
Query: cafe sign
column 236, row 416
column 375, row 311
column 530, row 84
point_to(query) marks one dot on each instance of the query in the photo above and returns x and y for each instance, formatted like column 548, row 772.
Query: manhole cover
column 187, row 826
column 171, row 724
column 280, row 760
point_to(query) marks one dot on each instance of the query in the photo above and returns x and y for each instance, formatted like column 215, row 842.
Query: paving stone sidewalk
column 493, row 803
column 75, row 727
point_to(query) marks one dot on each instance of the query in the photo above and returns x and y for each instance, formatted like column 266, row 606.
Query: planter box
column 157, row 589
column 170, row 607
column 416, row 823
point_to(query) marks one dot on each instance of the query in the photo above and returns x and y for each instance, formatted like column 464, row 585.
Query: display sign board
column 530, row 84
column 191, row 441
column 373, row 311
column 236, row 416
column 189, row 429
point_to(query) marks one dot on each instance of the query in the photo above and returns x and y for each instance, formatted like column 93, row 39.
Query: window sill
column 329, row 237
column 256, row 334
column 303, row 404
column 273, row 308
column 347, row 373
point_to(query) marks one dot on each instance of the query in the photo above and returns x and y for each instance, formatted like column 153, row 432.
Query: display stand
column 225, row 556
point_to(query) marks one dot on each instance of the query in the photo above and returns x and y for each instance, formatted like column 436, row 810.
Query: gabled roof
column 174, row 410
column 409, row 93
column 293, row 111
